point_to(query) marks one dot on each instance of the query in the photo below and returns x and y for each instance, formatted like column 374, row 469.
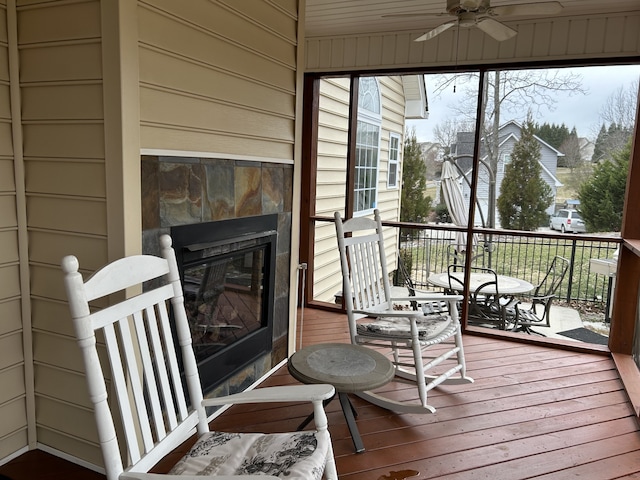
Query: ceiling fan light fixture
column 480, row 13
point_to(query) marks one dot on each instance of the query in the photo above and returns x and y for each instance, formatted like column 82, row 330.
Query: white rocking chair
column 143, row 367
column 376, row 321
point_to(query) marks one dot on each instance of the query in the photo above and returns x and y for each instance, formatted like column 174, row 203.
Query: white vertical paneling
column 595, row 39
column 560, row 38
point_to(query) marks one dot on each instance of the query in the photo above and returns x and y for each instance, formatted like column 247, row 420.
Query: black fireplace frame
column 189, row 242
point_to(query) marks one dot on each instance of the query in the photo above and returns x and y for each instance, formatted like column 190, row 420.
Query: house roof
column 464, row 154
column 415, row 96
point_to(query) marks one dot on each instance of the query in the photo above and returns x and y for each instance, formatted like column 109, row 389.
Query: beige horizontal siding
column 5, row 109
column 13, row 430
column 57, row 63
column 59, row 21
column 70, row 178
column 64, row 140
column 69, row 418
column 556, row 39
column 12, row 380
column 61, row 69
column 7, row 177
column 57, row 350
column 83, row 449
column 184, row 74
column 80, row 215
column 218, row 77
column 10, row 281
column 6, row 146
column 204, row 115
column 62, row 102
column 67, row 386
column 10, row 314
column 15, row 440
column 48, row 247
column 9, row 250
column 11, row 348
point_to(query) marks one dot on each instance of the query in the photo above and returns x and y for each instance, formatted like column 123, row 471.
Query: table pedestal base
column 350, row 415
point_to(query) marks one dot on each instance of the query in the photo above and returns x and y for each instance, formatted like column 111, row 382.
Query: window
column 394, row 160
column 367, row 145
column 506, row 160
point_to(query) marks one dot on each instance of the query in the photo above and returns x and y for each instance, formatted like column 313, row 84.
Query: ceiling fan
column 480, row 14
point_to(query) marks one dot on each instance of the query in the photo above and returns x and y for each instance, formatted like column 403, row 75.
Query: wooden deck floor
column 533, row 412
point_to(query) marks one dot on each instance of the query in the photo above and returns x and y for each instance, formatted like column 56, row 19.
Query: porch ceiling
column 328, row 18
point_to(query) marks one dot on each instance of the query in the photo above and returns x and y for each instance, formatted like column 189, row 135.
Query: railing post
column 571, row 264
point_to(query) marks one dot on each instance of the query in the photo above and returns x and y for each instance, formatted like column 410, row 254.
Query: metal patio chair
column 157, row 413
column 376, row 319
column 543, row 297
column 487, row 306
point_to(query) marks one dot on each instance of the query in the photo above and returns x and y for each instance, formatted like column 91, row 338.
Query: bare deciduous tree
column 517, row 92
column 620, row 107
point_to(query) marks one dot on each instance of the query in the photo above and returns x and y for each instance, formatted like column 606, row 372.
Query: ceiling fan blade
column 543, row 8
column 436, row 31
column 493, row 28
column 414, row 14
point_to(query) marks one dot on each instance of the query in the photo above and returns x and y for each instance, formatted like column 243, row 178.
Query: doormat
column 585, row 335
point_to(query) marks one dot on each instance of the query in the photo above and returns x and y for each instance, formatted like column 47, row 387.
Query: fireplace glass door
column 224, row 299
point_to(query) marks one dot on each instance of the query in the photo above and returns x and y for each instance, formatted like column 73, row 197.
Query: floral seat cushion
column 294, row 456
column 428, row 326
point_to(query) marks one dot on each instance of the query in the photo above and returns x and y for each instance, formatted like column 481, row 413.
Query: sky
column 580, row 111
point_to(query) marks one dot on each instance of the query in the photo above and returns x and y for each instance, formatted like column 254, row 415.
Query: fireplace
column 226, row 207
column 227, row 269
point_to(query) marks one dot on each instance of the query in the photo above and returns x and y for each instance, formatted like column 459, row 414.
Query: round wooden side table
column 349, row 368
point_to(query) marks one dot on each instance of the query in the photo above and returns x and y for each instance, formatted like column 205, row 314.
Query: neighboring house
column 586, row 149
column 509, row 134
column 384, row 104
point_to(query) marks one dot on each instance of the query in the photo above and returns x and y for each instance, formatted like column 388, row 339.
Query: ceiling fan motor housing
column 455, row 7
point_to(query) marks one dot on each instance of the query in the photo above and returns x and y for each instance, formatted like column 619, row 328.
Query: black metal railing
column 427, row 249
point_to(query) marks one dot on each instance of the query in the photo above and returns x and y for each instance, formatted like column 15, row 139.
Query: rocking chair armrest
column 390, row 313
column 427, row 297
column 162, row 476
column 291, row 393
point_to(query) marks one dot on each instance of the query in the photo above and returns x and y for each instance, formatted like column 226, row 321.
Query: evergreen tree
column 602, row 196
column 414, row 206
column 610, row 140
column 554, row 135
column 524, row 195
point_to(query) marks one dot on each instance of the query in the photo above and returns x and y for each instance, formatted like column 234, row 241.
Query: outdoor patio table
column 494, row 311
column 506, row 285
column 349, row 368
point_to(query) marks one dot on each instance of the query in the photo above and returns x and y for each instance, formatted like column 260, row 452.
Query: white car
column 567, row 221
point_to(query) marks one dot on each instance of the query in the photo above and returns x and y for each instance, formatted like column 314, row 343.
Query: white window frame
column 394, row 160
column 506, row 159
column 368, row 152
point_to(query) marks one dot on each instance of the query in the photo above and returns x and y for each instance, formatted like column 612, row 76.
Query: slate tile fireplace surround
column 216, row 194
